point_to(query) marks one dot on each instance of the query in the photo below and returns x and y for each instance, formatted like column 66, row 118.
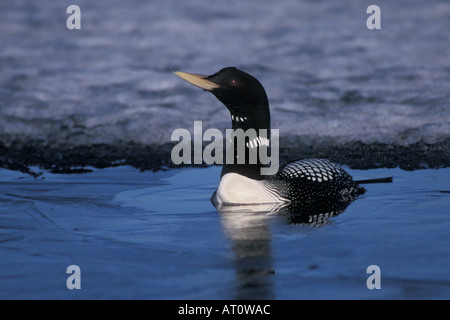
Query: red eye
column 233, row 82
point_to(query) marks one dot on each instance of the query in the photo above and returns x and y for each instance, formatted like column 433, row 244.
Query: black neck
column 252, row 171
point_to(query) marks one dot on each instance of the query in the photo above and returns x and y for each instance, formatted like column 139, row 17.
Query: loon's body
column 302, row 180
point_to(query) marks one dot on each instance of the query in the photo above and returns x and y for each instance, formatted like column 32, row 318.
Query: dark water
column 105, row 97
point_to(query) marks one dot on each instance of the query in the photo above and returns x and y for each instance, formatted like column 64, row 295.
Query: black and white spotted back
column 319, row 170
column 314, row 179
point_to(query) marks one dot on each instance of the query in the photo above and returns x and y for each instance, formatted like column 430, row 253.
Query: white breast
column 236, row 189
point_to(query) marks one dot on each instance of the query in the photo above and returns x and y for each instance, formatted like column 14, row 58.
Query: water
column 132, row 238
column 103, row 100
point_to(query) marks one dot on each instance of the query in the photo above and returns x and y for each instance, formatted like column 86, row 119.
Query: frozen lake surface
column 333, row 85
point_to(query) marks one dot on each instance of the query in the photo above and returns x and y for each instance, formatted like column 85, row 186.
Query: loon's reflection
column 248, row 229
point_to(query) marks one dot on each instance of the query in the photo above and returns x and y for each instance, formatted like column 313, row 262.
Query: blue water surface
column 144, row 235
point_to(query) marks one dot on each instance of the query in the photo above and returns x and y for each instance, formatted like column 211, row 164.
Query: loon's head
column 241, row 93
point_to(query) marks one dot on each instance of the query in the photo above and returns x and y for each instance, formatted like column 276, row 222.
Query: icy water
column 156, row 236
column 103, row 101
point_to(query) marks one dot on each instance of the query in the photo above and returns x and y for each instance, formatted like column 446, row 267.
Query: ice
column 329, row 79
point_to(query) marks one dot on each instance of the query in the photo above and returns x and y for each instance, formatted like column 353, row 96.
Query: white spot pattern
column 238, row 119
column 311, row 169
column 257, row 142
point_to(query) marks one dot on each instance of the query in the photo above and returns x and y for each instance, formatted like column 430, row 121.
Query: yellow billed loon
column 301, row 180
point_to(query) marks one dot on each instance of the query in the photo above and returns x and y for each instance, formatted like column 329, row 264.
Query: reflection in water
column 248, row 229
column 314, row 214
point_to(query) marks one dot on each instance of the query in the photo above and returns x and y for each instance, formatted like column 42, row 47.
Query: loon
column 242, row 184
